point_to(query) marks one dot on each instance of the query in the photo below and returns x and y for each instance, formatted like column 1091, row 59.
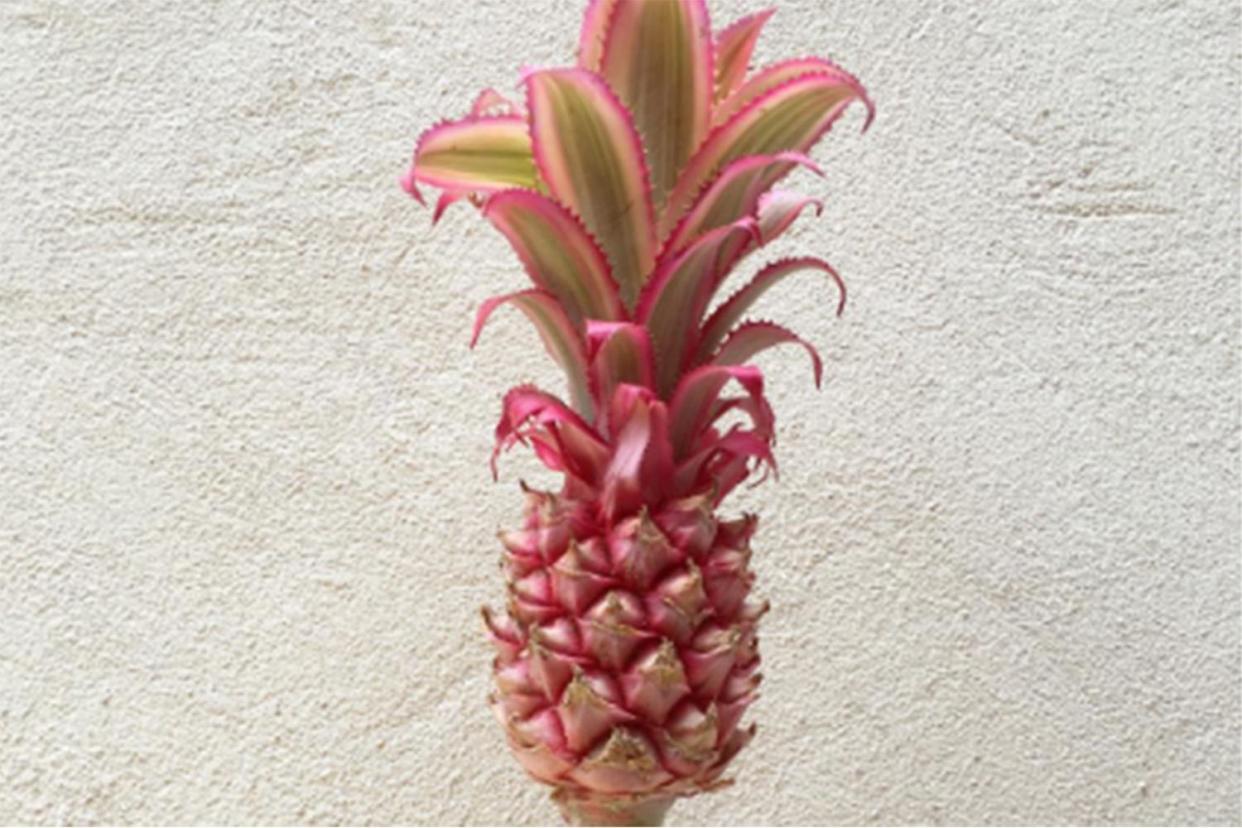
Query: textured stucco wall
column 246, row 517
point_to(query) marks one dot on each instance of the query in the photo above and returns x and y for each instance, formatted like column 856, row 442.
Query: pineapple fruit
column 630, row 186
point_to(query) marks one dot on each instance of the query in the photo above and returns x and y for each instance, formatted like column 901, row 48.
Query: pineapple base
column 618, row 811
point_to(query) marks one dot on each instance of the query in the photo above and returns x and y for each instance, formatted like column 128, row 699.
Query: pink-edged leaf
column 658, row 59
column 591, row 160
column 474, row 155
column 491, row 103
column 658, row 464
column 789, row 118
column 594, row 29
column 724, row 405
column 736, row 445
column 731, row 465
column 560, row 336
column 446, row 200
column 776, row 212
column 557, row 252
column 735, row 193
column 693, row 404
column 778, row 209
column 620, row 354
column 734, row 46
column 773, row 76
column 547, row 452
column 678, row 295
column 757, row 409
column 732, row 310
column 528, row 412
column 642, row 457
column 407, row 182
column 751, row 338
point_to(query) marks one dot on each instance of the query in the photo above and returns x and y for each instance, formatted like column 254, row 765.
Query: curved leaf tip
column 560, row 337
column 407, row 183
column 733, row 308
column 733, row 48
column 475, row 154
column 752, row 338
column 791, row 115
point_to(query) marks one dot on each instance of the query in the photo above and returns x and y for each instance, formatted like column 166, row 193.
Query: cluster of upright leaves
column 629, row 186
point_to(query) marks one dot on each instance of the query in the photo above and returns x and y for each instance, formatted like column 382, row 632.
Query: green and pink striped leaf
column 779, row 209
column 681, row 290
column 733, row 49
column 788, row 118
column 620, row 354
column 474, row 155
column 736, row 192
column 732, row 310
column 752, row 338
column 557, row 253
column 594, row 29
column 591, row 160
column 776, row 212
column 731, row 464
column 773, row 76
column 564, row 437
column 756, row 408
column 693, row 404
column 562, row 339
column 722, row 462
column 657, row 57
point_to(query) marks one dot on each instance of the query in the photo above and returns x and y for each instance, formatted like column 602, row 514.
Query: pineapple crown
column 630, row 185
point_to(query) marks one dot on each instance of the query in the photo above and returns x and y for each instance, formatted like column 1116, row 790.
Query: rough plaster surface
column 247, row 519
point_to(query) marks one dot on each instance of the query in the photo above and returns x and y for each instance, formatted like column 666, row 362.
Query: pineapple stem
column 622, row 812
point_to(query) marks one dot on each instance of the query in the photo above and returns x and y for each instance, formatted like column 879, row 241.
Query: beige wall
column 246, row 516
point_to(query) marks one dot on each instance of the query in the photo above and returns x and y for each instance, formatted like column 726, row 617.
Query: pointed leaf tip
column 738, row 191
column 475, row 154
column 728, row 314
column 595, row 23
column 690, row 411
column 778, row 209
column 445, row 200
column 490, row 102
column 752, row 338
column 410, row 186
column 561, row 339
column 790, row 116
column 733, row 49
